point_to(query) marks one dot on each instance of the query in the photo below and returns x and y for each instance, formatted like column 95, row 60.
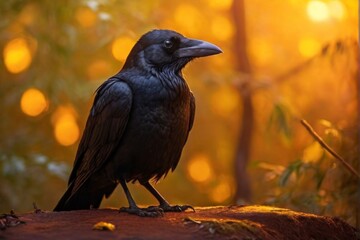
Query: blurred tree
column 243, row 149
column 357, row 76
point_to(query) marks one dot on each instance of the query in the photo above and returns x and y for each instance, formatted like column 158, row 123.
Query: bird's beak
column 197, row 48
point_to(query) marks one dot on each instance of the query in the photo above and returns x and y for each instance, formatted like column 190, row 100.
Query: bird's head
column 166, row 49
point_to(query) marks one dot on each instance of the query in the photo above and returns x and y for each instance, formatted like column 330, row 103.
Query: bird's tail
column 84, row 198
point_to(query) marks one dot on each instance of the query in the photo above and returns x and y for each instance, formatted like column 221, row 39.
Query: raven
column 138, row 124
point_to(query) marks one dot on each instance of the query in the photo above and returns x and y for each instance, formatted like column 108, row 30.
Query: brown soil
column 238, row 222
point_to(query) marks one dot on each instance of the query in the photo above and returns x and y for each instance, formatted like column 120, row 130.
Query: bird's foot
column 143, row 212
column 176, row 208
column 154, row 209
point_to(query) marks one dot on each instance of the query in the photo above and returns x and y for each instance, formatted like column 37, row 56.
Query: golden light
column 220, row 4
column 66, row 132
column 221, row 192
column 66, row 129
column 33, row 102
column 85, row 17
column 121, row 47
column 98, row 69
column 188, row 18
column 199, row 168
column 261, row 51
column 308, row 47
column 337, row 9
column 222, row 28
column 17, row 55
column 317, row 10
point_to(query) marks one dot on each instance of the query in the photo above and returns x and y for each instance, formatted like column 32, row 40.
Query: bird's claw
column 154, row 209
column 143, row 212
column 177, row 208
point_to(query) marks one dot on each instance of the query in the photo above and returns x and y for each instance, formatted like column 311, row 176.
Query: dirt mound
column 237, row 222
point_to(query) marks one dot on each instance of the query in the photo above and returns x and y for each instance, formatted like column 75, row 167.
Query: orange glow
column 308, row 47
column 225, row 101
column 33, row 102
column 220, row 4
column 121, row 47
column 85, row 17
column 317, row 10
column 17, row 55
column 336, row 9
column 63, row 111
column 222, row 28
column 199, row 168
column 98, row 69
column 221, row 192
column 66, row 129
column 66, row 132
column 260, row 51
column 188, row 18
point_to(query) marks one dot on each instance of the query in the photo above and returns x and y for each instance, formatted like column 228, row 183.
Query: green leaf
column 279, row 118
column 293, row 167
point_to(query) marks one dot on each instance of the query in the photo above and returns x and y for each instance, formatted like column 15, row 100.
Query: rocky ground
column 236, row 222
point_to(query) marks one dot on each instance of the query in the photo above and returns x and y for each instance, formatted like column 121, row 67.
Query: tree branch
column 328, row 148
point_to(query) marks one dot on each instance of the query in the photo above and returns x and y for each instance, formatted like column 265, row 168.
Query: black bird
column 138, row 124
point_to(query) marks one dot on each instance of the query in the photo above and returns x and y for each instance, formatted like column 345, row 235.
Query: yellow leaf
column 104, row 226
column 313, row 153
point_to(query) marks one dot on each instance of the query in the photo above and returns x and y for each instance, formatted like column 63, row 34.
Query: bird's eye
column 168, row 43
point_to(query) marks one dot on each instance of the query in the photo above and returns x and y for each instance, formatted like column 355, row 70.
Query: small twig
column 36, row 209
column 328, row 148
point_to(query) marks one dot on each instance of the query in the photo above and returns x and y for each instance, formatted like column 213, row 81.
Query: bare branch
column 328, row 148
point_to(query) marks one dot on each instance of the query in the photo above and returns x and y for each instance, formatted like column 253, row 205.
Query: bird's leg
column 163, row 203
column 133, row 208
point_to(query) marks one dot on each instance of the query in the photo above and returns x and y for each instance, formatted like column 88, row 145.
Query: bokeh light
column 317, row 10
column 98, row 69
column 199, row 168
column 85, row 17
column 308, row 47
column 17, row 55
column 221, row 192
column 33, row 102
column 121, row 47
column 66, row 129
column 337, row 9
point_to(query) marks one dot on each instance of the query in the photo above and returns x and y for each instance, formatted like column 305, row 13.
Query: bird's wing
column 192, row 110
column 191, row 122
column 104, row 128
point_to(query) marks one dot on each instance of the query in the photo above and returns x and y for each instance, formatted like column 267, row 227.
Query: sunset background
column 283, row 61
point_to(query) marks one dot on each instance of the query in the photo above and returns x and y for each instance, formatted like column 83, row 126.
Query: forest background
column 283, row 61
